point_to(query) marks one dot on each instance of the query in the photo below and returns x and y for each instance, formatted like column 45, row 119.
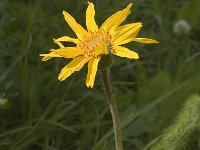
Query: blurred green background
column 38, row 112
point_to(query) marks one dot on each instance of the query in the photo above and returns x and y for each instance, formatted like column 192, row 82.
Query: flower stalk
column 113, row 108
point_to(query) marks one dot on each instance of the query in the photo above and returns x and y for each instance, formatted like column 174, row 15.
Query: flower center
column 93, row 41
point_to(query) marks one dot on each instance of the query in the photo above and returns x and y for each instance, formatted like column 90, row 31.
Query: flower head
column 182, row 27
column 93, row 43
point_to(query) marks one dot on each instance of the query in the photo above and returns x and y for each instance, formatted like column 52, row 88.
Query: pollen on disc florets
column 92, row 41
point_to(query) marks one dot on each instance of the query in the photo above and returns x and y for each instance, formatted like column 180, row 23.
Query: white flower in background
column 3, row 101
column 181, row 27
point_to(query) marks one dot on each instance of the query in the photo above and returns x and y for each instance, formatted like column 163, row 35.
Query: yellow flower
column 94, row 42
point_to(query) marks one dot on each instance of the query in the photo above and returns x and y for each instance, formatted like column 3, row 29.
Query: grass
column 44, row 113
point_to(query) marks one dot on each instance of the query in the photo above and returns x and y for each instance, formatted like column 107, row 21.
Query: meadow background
column 157, row 95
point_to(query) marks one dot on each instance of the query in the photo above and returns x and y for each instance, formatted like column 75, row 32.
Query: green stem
column 113, row 108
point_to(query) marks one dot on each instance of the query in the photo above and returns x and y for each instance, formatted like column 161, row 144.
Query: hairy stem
column 113, row 108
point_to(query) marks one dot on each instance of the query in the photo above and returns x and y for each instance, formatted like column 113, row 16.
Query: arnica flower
column 93, row 43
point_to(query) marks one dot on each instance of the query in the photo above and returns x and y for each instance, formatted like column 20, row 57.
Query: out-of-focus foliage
column 186, row 123
column 44, row 113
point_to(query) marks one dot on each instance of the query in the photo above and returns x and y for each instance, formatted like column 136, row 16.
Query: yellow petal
column 145, row 40
column 71, row 67
column 117, row 18
column 67, row 39
column 126, row 33
column 90, row 21
column 113, row 30
column 92, row 69
column 124, row 14
column 49, row 56
column 81, row 66
column 59, row 44
column 102, row 49
column 69, row 52
column 77, row 28
column 124, row 52
column 111, row 21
